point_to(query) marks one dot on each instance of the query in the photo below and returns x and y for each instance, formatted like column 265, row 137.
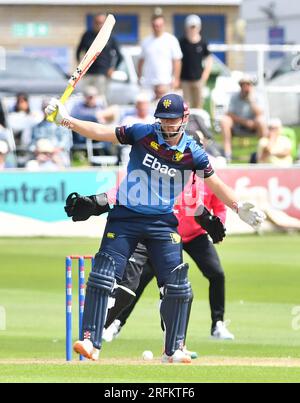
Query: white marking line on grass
column 205, row 362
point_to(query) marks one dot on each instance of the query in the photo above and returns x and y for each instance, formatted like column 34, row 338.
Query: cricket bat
column 91, row 55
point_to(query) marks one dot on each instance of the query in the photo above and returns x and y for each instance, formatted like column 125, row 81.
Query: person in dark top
column 102, row 68
column 22, row 103
column 195, row 72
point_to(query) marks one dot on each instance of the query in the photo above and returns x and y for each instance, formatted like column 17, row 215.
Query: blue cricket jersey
column 157, row 173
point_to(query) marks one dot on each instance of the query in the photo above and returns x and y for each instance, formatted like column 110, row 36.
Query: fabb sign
column 41, row 195
column 280, row 188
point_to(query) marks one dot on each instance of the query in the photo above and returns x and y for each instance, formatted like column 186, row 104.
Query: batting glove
column 62, row 117
column 251, row 215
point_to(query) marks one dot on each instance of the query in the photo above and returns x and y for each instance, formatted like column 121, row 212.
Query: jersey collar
column 181, row 146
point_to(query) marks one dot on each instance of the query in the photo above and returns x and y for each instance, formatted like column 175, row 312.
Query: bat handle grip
column 63, row 99
column 51, row 118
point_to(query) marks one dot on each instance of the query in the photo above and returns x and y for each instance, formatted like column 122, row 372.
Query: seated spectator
column 275, row 148
column 3, row 155
column 159, row 91
column 46, row 157
column 60, row 137
column 141, row 114
column 93, row 110
column 21, row 120
column 245, row 116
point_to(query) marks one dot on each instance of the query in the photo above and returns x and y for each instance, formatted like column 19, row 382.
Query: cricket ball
column 147, row 355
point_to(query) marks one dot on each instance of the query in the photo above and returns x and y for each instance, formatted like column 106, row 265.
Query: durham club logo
column 176, row 238
column 167, row 103
column 177, row 157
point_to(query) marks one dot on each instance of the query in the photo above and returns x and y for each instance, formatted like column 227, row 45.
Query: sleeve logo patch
column 176, row 238
column 155, row 146
column 111, row 235
column 178, row 156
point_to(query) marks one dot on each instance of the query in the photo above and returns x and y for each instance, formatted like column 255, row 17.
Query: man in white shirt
column 160, row 63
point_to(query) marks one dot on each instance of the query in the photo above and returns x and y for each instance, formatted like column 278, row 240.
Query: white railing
column 282, row 94
column 260, row 50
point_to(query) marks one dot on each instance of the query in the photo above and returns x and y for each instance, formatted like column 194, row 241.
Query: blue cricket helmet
column 171, row 106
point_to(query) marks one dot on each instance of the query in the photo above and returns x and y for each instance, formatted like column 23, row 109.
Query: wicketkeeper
column 161, row 153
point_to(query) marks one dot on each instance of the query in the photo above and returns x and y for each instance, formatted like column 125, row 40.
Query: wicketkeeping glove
column 250, row 214
column 211, row 224
column 62, row 117
column 81, row 208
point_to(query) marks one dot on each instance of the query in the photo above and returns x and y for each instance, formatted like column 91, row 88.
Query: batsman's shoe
column 221, row 332
column 192, row 354
column 112, row 331
column 86, row 349
column 179, row 357
column 95, row 354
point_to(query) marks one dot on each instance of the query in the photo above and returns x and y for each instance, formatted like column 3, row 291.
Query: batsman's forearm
column 222, row 191
column 94, row 131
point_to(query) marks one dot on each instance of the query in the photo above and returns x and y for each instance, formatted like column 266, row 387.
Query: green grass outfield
column 263, row 277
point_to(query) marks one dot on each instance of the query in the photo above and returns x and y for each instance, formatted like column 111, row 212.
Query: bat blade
column 91, row 55
column 94, row 51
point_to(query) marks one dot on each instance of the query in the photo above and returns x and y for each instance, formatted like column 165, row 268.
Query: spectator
column 244, row 116
column 93, row 110
column 46, row 157
column 21, row 120
column 142, row 113
column 3, row 154
column 159, row 92
column 22, row 103
column 160, row 62
column 194, row 73
column 60, row 137
column 275, row 148
column 103, row 67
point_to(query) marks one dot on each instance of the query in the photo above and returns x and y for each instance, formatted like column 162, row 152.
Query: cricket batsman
column 161, row 153
column 140, row 272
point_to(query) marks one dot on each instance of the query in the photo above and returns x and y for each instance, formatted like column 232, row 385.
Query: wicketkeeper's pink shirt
column 188, row 228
